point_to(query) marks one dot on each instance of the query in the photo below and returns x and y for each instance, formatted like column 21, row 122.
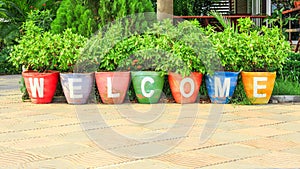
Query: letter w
column 37, row 87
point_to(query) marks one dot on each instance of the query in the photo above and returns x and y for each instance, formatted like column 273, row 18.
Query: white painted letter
column 257, row 87
column 35, row 86
column 109, row 89
column 72, row 88
column 147, row 79
column 191, row 82
column 219, row 90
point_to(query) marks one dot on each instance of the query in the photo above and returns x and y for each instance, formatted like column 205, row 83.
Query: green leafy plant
column 111, row 10
column 41, row 19
column 163, row 47
column 13, row 14
column 264, row 49
column 5, row 66
column 278, row 19
column 75, row 15
column 193, row 7
column 41, row 50
column 286, row 87
column 226, row 43
column 291, row 68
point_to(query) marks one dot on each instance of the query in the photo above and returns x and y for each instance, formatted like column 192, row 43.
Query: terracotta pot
column 185, row 89
column 112, row 86
column 258, row 86
column 77, row 87
column 297, row 4
column 41, row 87
column 148, row 86
column 221, row 86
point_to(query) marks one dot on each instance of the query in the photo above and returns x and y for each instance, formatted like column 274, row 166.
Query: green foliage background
column 75, row 15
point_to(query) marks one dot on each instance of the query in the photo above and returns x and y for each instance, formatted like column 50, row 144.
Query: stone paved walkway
column 56, row 136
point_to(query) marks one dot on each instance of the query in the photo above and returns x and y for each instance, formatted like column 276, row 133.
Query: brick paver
column 52, row 135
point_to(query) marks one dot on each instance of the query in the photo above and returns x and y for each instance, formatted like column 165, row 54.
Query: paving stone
column 294, row 137
column 145, row 164
column 96, row 159
column 52, row 163
column 276, row 160
column 12, row 136
column 30, row 143
column 262, row 131
column 230, row 137
column 235, row 151
column 284, row 117
column 293, row 150
column 257, row 121
column 15, row 159
column 291, row 126
column 60, row 150
column 271, row 144
column 192, row 159
column 233, row 164
column 232, row 125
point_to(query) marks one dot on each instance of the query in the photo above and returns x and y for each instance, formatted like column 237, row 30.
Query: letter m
column 219, row 89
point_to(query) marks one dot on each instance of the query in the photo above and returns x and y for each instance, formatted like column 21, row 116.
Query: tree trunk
column 164, row 9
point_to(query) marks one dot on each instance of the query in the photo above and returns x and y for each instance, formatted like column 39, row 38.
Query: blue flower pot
column 221, row 86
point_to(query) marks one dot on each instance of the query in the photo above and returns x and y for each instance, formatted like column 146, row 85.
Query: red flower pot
column 112, row 86
column 185, row 89
column 41, row 87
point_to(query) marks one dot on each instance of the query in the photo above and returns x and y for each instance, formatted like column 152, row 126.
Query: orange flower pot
column 185, row 89
column 258, row 86
column 297, row 4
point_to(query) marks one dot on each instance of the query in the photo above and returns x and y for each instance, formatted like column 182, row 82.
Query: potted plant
column 165, row 48
column 76, row 84
column 37, row 52
column 146, row 62
column 104, row 53
column 191, row 53
column 222, row 83
column 263, row 51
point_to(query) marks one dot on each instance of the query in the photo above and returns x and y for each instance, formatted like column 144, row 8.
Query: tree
column 164, row 9
column 111, row 10
column 14, row 12
column 75, row 15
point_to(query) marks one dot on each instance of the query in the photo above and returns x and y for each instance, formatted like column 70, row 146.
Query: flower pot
column 297, row 4
column 185, row 89
column 112, row 86
column 258, row 86
column 147, row 86
column 221, row 86
column 41, row 87
column 77, row 86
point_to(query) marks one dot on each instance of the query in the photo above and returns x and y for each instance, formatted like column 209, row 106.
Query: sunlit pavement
column 52, row 135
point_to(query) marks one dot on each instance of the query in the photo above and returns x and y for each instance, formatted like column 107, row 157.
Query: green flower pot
column 147, row 86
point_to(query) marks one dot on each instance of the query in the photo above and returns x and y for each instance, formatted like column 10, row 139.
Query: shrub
column 111, row 10
column 265, row 49
column 74, row 15
column 5, row 66
column 41, row 50
column 291, row 68
column 42, row 19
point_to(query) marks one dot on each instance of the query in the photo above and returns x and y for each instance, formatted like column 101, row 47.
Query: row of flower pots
column 148, row 85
